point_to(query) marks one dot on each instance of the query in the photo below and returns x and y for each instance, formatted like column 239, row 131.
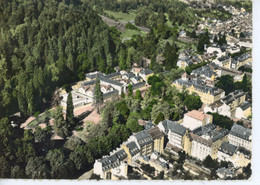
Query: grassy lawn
column 122, row 16
column 128, row 33
column 41, row 118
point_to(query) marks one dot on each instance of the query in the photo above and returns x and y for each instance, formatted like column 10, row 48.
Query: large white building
column 240, row 136
column 194, row 119
column 113, row 166
column 206, row 140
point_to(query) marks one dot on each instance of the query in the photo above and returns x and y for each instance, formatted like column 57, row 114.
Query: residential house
column 132, row 151
column 144, row 142
column 146, row 73
column 194, row 119
column 226, row 152
column 244, row 110
column 206, row 140
column 207, row 94
column 223, row 61
column 241, row 60
column 177, row 134
column 158, row 139
column 240, row 136
column 205, row 71
column 227, row 105
column 112, row 167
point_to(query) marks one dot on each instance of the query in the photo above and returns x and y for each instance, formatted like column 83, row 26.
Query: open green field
column 121, row 16
column 128, row 33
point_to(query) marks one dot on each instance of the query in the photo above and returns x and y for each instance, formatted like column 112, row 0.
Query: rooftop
column 143, row 138
column 228, row 148
column 174, row 127
column 155, row 133
column 241, row 132
column 133, row 149
column 197, row 115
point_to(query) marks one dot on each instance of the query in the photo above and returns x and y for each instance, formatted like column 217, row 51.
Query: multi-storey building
column 240, row 136
column 194, row 119
column 208, row 95
column 228, row 104
column 158, row 139
column 112, row 167
column 144, row 142
column 206, row 140
column 132, row 151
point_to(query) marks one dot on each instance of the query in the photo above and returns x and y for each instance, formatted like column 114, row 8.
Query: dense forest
column 40, row 41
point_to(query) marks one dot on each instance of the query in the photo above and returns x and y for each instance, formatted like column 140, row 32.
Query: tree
column 208, row 162
column 60, row 125
column 69, row 110
column 226, row 83
column 5, row 167
column 247, row 170
column 222, row 121
column 138, row 95
column 98, row 96
column 130, row 90
column 159, row 118
column 42, row 135
column 245, row 83
column 94, row 176
column 192, row 102
column 37, row 168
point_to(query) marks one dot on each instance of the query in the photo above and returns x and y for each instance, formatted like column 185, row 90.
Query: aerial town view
column 126, row 89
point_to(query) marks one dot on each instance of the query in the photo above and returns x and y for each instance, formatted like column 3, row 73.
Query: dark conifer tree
column 70, row 107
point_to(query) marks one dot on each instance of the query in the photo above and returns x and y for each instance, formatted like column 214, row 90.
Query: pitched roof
column 113, row 160
column 209, row 132
column 133, row 149
column 241, row 132
column 245, row 105
column 197, row 115
column 198, row 86
column 146, row 71
column 107, row 80
column 228, row 148
column 143, row 138
column 176, row 128
column 155, row 133
column 233, row 96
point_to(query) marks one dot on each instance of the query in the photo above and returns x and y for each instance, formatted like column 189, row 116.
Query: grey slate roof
column 198, row 86
column 241, row 132
column 92, row 82
column 104, row 79
column 204, row 71
column 233, row 96
column 138, row 85
column 228, row 148
column 245, row 105
column 93, row 76
column 223, row 58
column 210, row 131
column 240, row 58
column 111, row 75
column 146, row 71
column 174, row 127
column 143, row 138
column 113, row 160
column 108, row 94
column 133, row 149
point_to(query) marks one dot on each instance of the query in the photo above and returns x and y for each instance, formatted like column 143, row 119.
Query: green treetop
column 70, row 107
